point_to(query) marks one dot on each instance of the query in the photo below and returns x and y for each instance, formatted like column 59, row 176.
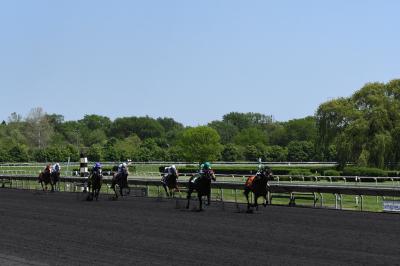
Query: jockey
column 56, row 168
column 205, row 167
column 47, row 168
column 169, row 171
column 121, row 168
column 96, row 166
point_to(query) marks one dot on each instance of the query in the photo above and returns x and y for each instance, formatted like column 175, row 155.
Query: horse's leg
column 246, row 194
column 255, row 200
column 188, row 197
column 52, row 186
column 200, row 201
column 41, row 183
column 166, row 191
column 265, row 200
column 115, row 193
column 98, row 192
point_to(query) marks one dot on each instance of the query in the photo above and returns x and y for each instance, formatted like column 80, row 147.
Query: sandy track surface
column 59, row 229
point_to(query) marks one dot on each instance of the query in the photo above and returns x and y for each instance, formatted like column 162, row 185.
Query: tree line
column 362, row 129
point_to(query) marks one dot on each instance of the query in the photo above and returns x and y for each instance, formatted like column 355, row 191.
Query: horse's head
column 97, row 172
column 125, row 171
column 266, row 173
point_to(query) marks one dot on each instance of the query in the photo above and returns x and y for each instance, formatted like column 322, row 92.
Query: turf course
column 57, row 229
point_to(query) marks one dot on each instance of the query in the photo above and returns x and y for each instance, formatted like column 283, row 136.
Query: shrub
column 251, row 169
column 331, row 172
column 299, row 171
column 393, row 173
column 364, row 171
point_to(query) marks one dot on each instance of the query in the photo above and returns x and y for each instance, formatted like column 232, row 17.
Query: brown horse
column 170, row 183
column 121, row 179
column 258, row 185
column 95, row 182
column 45, row 178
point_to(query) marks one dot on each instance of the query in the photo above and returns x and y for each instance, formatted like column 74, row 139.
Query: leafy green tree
column 110, row 152
column 55, row 120
column 19, row 153
column 96, row 136
column 300, row 151
column 169, row 124
column 72, row 152
column 246, row 120
column 95, row 153
column 301, row 129
column 379, row 149
column 231, row 153
column 200, row 144
column 251, row 136
column 144, row 127
column 96, row 122
column 4, row 155
column 275, row 153
column 128, row 147
column 174, row 154
column 252, row 153
column 227, row 131
column 277, row 134
column 332, row 118
column 239, row 120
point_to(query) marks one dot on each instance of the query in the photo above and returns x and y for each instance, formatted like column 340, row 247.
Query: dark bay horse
column 55, row 177
column 202, row 184
column 121, row 179
column 45, row 178
column 258, row 185
column 95, row 182
column 170, row 184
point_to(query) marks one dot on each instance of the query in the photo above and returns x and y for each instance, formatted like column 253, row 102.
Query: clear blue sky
column 192, row 60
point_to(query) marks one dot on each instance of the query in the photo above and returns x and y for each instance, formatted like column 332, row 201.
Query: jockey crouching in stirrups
column 169, row 180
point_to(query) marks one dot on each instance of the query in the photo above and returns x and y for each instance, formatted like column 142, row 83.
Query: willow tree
column 38, row 129
column 364, row 127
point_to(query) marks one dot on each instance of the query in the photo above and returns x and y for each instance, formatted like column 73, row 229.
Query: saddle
column 249, row 181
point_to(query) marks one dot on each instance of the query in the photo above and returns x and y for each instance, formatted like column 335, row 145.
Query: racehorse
column 45, row 178
column 95, row 182
column 202, row 184
column 121, row 179
column 258, row 185
column 170, row 184
column 55, row 177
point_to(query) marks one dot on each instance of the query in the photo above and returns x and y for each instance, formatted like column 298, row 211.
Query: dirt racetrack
column 58, row 229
